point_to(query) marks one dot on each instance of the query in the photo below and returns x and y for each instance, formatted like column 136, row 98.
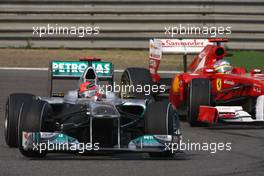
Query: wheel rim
column 6, row 122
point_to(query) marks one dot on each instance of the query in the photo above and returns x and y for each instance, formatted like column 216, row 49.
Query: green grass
column 121, row 58
column 247, row 59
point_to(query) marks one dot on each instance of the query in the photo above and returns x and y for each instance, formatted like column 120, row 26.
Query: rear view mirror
column 256, row 71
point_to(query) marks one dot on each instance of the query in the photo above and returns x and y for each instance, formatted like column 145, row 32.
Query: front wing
column 59, row 142
column 232, row 114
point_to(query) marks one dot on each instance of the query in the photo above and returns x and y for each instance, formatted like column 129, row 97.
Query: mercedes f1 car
column 212, row 91
column 86, row 122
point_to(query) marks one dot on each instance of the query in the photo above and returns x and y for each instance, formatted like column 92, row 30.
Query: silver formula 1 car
column 72, row 122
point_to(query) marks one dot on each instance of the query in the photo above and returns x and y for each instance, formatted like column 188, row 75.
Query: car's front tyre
column 31, row 119
column 12, row 109
column 161, row 119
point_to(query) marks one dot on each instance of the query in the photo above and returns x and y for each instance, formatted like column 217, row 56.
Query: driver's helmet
column 88, row 90
column 223, row 66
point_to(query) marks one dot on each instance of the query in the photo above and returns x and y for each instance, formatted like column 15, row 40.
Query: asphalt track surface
column 245, row 158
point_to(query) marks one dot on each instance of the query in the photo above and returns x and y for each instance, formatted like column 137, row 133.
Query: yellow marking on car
column 218, row 84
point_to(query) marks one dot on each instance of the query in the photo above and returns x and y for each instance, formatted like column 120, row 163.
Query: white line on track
column 24, row 68
column 46, row 69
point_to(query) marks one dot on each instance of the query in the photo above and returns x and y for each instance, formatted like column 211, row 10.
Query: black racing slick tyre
column 31, row 119
column 13, row 105
column 161, row 119
column 136, row 77
column 199, row 94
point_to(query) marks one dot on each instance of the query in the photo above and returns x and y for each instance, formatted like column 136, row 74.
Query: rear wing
column 158, row 47
column 73, row 70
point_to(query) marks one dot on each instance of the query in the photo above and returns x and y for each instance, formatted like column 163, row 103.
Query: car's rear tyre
column 31, row 119
column 13, row 105
column 161, row 119
column 199, row 94
column 136, row 77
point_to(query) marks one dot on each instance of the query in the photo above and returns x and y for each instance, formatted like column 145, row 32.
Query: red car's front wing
column 233, row 114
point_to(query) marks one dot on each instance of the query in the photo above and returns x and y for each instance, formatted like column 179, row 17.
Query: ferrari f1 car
column 85, row 123
column 213, row 91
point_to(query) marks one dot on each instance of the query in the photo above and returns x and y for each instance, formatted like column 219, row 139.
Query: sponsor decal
column 153, row 63
column 155, row 50
column 230, row 82
column 257, row 89
column 61, row 67
column 102, row 67
column 218, row 84
column 148, row 137
column 179, row 46
column 76, row 69
column 177, row 42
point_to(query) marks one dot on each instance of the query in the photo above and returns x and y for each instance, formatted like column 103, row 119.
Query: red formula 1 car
column 213, row 91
